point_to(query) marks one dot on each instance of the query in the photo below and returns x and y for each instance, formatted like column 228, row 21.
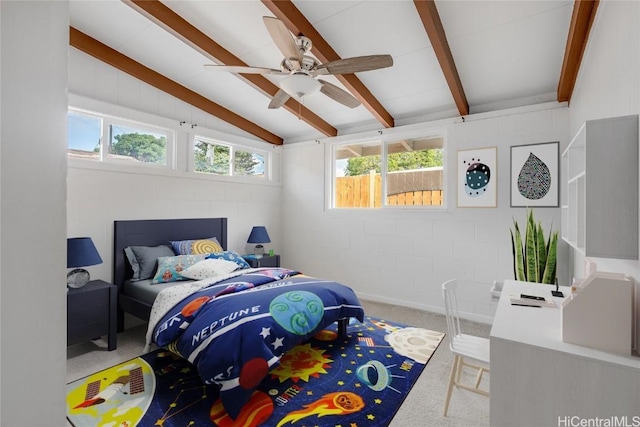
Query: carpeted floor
column 422, row 407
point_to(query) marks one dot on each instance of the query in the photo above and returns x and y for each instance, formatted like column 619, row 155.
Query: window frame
column 385, row 139
column 107, row 120
column 233, row 148
column 92, row 115
column 183, row 133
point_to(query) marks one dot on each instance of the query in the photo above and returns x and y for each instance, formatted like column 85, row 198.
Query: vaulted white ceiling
column 450, row 58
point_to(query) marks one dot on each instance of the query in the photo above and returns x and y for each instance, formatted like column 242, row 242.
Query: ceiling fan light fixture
column 300, row 85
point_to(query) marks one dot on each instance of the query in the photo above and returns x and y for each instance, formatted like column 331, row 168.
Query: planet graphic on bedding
column 299, row 312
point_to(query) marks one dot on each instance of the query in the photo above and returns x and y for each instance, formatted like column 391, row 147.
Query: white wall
column 403, row 256
column 33, row 168
column 608, row 85
column 96, row 198
column 98, row 195
column 608, row 82
column 96, row 80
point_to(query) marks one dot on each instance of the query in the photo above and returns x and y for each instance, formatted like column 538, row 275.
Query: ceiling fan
column 302, row 70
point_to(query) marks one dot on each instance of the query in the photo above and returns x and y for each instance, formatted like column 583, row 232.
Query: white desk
column 539, row 380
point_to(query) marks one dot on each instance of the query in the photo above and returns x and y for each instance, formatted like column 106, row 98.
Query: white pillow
column 209, row 268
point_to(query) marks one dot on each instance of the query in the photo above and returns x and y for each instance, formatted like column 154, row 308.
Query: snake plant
column 534, row 260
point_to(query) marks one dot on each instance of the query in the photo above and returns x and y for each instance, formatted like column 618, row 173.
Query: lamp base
column 77, row 278
column 258, row 251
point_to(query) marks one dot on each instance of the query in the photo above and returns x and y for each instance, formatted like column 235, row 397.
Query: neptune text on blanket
column 205, row 332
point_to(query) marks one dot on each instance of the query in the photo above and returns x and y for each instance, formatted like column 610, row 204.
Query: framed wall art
column 477, row 178
column 535, row 175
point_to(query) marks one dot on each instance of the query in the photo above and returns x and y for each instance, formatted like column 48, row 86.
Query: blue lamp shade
column 259, row 235
column 81, row 252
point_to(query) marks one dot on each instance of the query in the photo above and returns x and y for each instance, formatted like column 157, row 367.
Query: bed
column 153, row 233
column 234, row 324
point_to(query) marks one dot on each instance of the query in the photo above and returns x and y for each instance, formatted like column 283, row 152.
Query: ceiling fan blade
column 244, row 70
column 279, row 99
column 282, row 38
column 337, row 94
column 356, row 64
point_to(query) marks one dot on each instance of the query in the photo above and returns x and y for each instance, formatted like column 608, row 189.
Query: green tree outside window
column 211, row 158
column 215, row 159
column 143, row 147
column 395, row 162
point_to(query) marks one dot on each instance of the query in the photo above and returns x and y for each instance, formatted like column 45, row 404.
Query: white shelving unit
column 573, row 163
column 600, row 189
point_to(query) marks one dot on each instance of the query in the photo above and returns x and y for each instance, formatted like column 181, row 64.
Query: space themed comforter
column 236, row 329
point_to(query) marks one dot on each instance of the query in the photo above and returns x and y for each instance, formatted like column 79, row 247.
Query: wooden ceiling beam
column 433, row 26
column 295, row 21
column 110, row 56
column 584, row 12
column 174, row 23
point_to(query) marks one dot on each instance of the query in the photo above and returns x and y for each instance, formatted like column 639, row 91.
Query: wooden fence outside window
column 406, row 188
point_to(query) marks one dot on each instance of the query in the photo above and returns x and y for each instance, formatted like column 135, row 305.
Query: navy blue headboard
column 153, row 232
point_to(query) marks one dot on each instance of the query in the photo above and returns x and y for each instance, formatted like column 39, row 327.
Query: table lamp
column 81, row 252
column 258, row 236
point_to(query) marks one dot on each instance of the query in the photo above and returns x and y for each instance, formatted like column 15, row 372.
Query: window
column 84, row 134
column 358, row 183
column 218, row 158
column 125, row 141
column 137, row 144
column 403, row 172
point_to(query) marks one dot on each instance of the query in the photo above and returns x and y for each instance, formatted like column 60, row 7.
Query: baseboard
column 473, row 317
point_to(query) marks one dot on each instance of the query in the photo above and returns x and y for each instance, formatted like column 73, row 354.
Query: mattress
column 144, row 290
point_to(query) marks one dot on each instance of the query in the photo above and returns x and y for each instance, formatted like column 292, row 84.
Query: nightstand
column 265, row 261
column 92, row 312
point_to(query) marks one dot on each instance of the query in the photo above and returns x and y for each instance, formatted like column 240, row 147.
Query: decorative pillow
column 209, row 268
column 230, row 256
column 170, row 267
column 199, row 246
column 144, row 259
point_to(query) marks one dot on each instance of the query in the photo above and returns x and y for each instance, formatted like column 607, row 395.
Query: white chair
column 462, row 346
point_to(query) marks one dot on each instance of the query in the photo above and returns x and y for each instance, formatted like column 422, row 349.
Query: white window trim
column 170, row 147
column 384, row 137
column 183, row 146
column 266, row 155
column 108, row 119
